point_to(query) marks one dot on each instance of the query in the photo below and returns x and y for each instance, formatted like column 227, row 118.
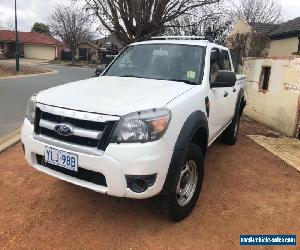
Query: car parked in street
column 143, row 127
column 106, row 58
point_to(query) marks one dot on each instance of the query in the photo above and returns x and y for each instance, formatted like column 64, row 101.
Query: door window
column 225, row 60
column 214, row 64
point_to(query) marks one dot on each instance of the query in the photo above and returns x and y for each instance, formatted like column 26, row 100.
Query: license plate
column 61, row 158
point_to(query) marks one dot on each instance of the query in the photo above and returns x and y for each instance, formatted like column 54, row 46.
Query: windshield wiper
column 175, row 80
column 185, row 81
column 131, row 76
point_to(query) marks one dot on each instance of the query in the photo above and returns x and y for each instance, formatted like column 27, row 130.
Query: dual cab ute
column 143, row 127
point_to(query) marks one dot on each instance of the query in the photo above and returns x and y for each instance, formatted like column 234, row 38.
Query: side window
column 214, row 64
column 225, row 61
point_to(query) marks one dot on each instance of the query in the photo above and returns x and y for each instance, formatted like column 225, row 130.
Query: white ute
column 142, row 128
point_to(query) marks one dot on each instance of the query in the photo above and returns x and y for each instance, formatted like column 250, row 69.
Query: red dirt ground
column 246, row 190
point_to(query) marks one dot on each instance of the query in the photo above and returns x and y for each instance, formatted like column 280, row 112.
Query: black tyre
column 181, row 201
column 230, row 134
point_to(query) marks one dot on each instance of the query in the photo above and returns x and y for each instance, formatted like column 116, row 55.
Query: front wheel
column 181, row 201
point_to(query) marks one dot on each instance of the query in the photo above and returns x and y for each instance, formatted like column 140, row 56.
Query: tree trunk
column 73, row 56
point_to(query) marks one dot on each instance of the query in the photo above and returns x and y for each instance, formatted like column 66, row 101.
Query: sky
column 31, row 11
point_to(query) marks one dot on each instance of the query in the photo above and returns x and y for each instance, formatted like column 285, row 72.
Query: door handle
column 234, row 89
column 225, row 93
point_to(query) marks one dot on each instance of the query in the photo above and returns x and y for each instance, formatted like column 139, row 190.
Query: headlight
column 142, row 126
column 30, row 110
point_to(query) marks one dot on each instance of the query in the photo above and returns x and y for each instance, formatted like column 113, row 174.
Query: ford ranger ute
column 143, row 127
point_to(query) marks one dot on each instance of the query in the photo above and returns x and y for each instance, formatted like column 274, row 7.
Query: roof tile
column 29, row 37
column 288, row 28
column 291, row 27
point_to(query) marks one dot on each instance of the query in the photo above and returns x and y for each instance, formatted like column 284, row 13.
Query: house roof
column 265, row 28
column 29, row 37
column 289, row 28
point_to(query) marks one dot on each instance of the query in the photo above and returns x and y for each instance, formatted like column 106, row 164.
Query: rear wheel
column 181, row 201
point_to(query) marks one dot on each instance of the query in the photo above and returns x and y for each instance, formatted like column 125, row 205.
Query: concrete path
column 10, row 139
column 287, row 149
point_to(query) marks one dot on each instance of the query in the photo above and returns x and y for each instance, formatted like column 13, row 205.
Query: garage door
column 39, row 51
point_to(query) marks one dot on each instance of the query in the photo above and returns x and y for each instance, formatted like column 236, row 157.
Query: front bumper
column 117, row 162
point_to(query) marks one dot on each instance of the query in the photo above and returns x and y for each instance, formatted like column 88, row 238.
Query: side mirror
column 225, row 78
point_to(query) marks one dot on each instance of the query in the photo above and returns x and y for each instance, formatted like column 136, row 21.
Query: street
column 246, row 190
column 14, row 93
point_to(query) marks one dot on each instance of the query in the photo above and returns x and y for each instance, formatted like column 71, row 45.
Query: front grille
column 83, row 141
column 105, row 128
column 82, row 174
column 98, row 126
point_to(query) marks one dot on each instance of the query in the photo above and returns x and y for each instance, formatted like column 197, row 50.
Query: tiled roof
column 265, row 28
column 29, row 37
column 288, row 28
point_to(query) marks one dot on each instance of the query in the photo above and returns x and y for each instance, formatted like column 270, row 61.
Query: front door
column 83, row 54
column 232, row 91
column 219, row 98
column 11, row 49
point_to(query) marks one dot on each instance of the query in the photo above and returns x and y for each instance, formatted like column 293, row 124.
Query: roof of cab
column 187, row 40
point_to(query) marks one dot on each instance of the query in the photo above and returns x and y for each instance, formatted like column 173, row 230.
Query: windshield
column 160, row 61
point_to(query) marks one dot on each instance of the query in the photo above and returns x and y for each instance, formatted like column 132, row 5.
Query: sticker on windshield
column 160, row 52
column 191, row 74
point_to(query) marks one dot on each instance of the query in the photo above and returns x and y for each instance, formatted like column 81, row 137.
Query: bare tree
column 238, row 46
column 210, row 21
column 136, row 19
column 257, row 11
column 72, row 25
column 251, row 44
column 6, row 24
column 216, row 19
column 258, row 44
column 1, row 24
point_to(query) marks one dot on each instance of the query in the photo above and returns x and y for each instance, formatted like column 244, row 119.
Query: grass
column 10, row 70
column 77, row 64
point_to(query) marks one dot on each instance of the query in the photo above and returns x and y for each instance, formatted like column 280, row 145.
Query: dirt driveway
column 246, row 190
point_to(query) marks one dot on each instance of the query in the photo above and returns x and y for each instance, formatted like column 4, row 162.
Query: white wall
column 283, row 47
column 277, row 107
